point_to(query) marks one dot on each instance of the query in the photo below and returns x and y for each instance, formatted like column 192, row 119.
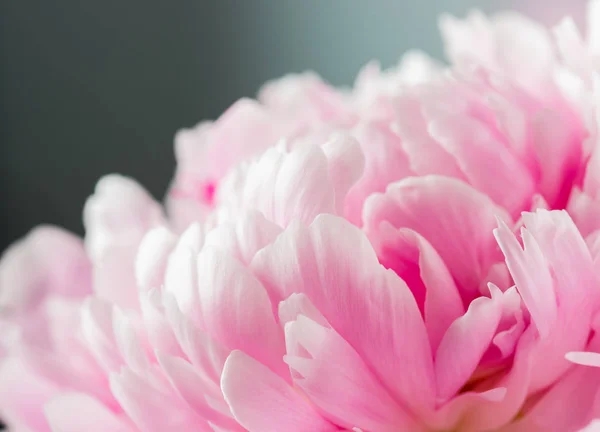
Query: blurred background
column 89, row 88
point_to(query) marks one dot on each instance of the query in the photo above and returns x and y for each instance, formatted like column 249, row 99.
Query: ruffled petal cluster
column 418, row 253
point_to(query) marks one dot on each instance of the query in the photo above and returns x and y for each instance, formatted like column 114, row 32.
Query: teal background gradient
column 89, row 88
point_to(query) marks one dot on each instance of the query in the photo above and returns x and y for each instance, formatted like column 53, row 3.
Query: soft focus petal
column 116, row 219
column 22, row 397
column 71, row 412
column 48, row 261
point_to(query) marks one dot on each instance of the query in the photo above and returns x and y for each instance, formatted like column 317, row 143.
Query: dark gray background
column 92, row 87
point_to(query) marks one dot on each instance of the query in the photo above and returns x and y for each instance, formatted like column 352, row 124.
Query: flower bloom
column 417, row 254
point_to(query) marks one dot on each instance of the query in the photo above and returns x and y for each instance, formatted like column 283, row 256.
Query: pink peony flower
column 419, row 253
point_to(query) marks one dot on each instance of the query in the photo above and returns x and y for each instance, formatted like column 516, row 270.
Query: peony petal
column 157, row 327
column 489, row 409
column 353, row 397
column 304, row 97
column 531, row 274
column 465, row 342
column 559, row 258
column 152, row 256
column 251, row 390
column 119, row 212
column 346, row 164
column 508, row 43
column 245, row 238
column 567, row 254
column 195, row 390
column 333, row 264
column 487, row 163
column 425, row 154
column 129, row 343
column 593, row 426
column 385, row 162
column 418, row 264
column 116, row 218
column 245, row 129
column 236, row 309
column 584, row 358
column 453, row 217
column 568, row 404
column 299, row 304
column 206, row 354
column 181, row 272
column 47, row 261
column 153, row 409
column 22, row 396
column 283, row 186
column 97, row 331
column 559, row 152
column 585, row 211
column 76, row 412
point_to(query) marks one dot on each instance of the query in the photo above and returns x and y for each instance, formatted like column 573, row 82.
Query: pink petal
column 195, row 390
column 284, row 186
column 557, row 143
column 531, row 274
column 97, row 331
column 245, row 238
column 509, row 43
column 23, row 395
column 263, row 402
column 418, row 264
column 352, row 396
column 573, row 49
column 153, row 409
column 242, row 131
column 304, row 97
column 486, row 162
column 346, row 164
column 465, row 342
column 119, row 212
column 425, row 154
column 553, row 242
column 567, row 253
column 236, row 309
column 76, row 412
column 181, row 271
column 205, row 353
column 48, row 261
column 116, row 218
column 129, row 342
column 453, row 217
column 585, row 211
column 489, row 409
column 114, row 277
column 511, row 326
column 333, row 264
column 568, row 404
column 151, row 259
column 157, row 327
column 299, row 304
column 584, row 358
column 385, row 162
